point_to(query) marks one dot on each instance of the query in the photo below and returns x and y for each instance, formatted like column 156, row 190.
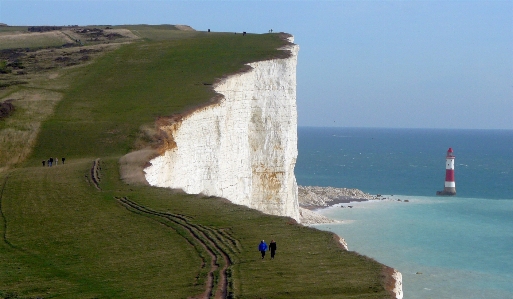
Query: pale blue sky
column 401, row 64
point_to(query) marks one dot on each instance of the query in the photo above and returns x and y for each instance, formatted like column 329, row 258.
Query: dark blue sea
column 445, row 247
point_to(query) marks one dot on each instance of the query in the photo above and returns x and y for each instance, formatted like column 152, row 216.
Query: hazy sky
column 402, row 64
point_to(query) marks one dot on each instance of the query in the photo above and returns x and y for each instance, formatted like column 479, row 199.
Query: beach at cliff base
column 312, row 198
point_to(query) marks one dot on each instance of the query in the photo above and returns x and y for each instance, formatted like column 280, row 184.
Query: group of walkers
column 52, row 161
column 262, row 247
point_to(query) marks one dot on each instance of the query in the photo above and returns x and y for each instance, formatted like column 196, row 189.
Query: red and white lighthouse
column 450, row 185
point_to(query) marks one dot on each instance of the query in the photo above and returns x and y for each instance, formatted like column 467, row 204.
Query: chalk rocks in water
column 314, row 196
column 308, row 217
column 343, row 242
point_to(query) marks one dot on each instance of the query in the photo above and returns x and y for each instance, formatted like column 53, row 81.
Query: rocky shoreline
column 315, row 197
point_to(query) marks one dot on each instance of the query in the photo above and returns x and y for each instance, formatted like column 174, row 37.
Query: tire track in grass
column 4, row 220
column 218, row 244
column 95, row 173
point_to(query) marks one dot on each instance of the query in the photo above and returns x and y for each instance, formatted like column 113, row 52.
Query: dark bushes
column 6, row 108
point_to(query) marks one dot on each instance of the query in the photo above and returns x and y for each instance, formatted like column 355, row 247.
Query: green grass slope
column 103, row 111
column 64, row 238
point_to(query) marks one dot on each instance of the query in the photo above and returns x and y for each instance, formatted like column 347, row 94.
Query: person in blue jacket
column 263, row 248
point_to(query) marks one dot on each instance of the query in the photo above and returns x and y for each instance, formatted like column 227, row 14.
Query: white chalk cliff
column 398, row 286
column 242, row 147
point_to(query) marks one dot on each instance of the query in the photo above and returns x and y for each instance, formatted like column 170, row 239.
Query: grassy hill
column 77, row 231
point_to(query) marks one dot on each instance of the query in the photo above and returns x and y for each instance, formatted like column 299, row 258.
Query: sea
column 445, row 246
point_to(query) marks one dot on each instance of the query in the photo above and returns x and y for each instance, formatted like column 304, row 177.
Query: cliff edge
column 243, row 146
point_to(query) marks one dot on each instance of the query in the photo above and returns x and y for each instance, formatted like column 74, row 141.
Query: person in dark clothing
column 272, row 248
column 63, row 160
column 262, row 248
column 51, row 161
column 44, row 163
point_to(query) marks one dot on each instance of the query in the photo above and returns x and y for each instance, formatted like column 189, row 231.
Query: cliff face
column 243, row 147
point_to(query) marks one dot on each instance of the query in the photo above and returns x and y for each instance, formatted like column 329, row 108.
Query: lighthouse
column 450, row 185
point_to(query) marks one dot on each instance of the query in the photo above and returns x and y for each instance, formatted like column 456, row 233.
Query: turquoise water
column 462, row 245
